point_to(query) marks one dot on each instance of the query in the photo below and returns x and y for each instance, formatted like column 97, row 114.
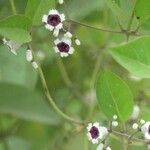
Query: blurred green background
column 26, row 120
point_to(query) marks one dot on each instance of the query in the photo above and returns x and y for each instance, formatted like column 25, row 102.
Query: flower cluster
column 54, row 22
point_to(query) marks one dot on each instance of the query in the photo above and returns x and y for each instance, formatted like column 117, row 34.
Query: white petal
column 147, row 136
column 89, row 136
column 49, row 27
column 68, row 35
column 100, row 146
column 35, row 65
column 71, row 50
column 89, row 126
column 59, row 26
column 56, row 49
column 63, row 54
column 53, row 11
column 103, row 132
column 57, row 41
column 62, row 17
column 29, row 55
column 96, row 124
column 56, row 32
column 67, row 41
column 44, row 18
column 94, row 141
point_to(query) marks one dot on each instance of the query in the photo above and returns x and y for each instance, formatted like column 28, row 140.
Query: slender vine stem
column 12, row 3
column 64, row 72
column 128, row 136
column 92, row 27
column 50, row 99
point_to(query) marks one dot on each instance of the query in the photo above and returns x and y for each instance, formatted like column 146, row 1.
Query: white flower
column 96, row 132
column 100, row 146
column 63, row 46
column 135, row 113
column 135, row 126
column 60, row 1
column 54, row 21
column 29, row 55
column 146, row 130
column 77, row 41
column 114, row 123
column 34, row 64
column 12, row 45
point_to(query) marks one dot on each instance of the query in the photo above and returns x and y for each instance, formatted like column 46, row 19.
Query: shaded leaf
column 25, row 104
column 134, row 56
column 16, row 28
column 114, row 96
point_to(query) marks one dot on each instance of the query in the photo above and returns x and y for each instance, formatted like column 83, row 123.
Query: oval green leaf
column 37, row 8
column 25, row 104
column 16, row 28
column 134, row 56
column 114, row 96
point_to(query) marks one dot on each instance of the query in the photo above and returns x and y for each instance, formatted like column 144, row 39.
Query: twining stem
column 50, row 99
column 51, row 102
column 13, row 7
column 92, row 27
column 63, row 72
column 128, row 136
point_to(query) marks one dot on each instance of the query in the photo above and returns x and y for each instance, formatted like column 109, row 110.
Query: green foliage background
column 27, row 122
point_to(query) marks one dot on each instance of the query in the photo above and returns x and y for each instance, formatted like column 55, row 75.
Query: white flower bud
column 77, row 41
column 142, row 121
column 114, row 123
column 100, row 146
column 29, row 55
column 108, row 148
column 35, row 65
column 135, row 126
column 60, row 1
column 115, row 117
column 135, row 113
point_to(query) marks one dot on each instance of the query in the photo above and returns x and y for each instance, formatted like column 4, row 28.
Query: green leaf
column 142, row 10
column 121, row 16
column 16, row 28
column 25, row 104
column 89, row 6
column 37, row 8
column 114, row 96
column 15, row 69
column 134, row 56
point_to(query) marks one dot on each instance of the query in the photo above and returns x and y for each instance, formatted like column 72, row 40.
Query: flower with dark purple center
column 146, row 130
column 53, row 20
column 94, row 132
column 63, row 47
